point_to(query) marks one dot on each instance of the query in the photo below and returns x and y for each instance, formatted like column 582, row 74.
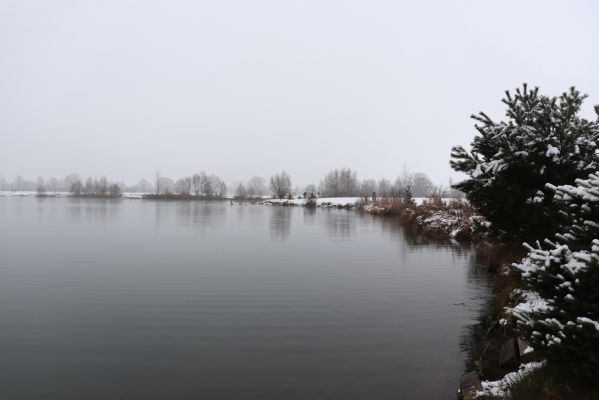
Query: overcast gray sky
column 242, row 88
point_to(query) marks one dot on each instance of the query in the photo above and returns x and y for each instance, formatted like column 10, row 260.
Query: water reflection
column 310, row 215
column 280, row 222
column 377, row 314
column 482, row 349
column 340, row 224
column 92, row 211
column 200, row 216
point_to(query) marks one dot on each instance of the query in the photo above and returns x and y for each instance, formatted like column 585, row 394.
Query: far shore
column 440, row 218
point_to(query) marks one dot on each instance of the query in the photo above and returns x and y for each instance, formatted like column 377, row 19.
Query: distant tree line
column 341, row 182
column 197, row 185
column 93, row 188
column 344, row 182
column 254, row 188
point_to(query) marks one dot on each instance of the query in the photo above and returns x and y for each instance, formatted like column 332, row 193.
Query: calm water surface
column 137, row 299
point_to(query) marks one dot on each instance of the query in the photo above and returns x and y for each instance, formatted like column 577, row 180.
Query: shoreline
column 438, row 218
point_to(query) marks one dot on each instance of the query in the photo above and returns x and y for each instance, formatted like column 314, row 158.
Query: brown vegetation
column 435, row 217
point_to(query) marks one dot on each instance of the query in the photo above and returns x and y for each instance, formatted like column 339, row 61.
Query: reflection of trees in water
column 341, row 224
column 280, row 222
column 411, row 238
column 310, row 215
column 92, row 211
column 481, row 349
column 198, row 215
column 479, row 282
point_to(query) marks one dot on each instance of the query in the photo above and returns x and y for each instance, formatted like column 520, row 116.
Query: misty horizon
column 242, row 90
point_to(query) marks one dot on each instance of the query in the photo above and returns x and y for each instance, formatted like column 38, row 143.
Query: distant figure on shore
column 373, row 197
column 365, row 197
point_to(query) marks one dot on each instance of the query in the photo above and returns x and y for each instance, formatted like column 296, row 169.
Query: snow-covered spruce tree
column 543, row 140
column 564, row 279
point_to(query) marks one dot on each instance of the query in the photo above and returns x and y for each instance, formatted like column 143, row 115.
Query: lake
column 140, row 299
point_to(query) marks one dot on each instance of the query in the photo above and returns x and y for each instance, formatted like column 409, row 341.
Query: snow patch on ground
column 133, row 195
column 337, row 201
column 10, row 193
column 320, row 202
column 24, row 193
column 501, row 388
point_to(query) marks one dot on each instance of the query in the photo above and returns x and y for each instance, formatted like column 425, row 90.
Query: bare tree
column 256, row 187
column 53, row 184
column 384, row 188
column 211, row 186
column 280, row 184
column 196, row 183
column 69, row 180
column 89, row 186
column 166, row 184
column 422, row 186
column 41, row 186
column 340, row 182
column 143, row 186
column 183, row 185
column 368, row 186
column 103, row 186
column 240, row 192
column 311, row 188
column 157, row 181
column 397, row 189
column 206, row 185
column 221, row 188
column 114, row 190
column 76, row 188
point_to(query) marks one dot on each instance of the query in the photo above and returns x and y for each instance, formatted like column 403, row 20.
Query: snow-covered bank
column 443, row 218
column 501, row 388
column 133, row 195
column 30, row 193
column 338, row 202
column 341, row 202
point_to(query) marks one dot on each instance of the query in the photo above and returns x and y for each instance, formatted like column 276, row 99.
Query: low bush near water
column 436, row 217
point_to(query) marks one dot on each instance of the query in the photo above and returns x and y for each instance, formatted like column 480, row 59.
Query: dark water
column 137, row 299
